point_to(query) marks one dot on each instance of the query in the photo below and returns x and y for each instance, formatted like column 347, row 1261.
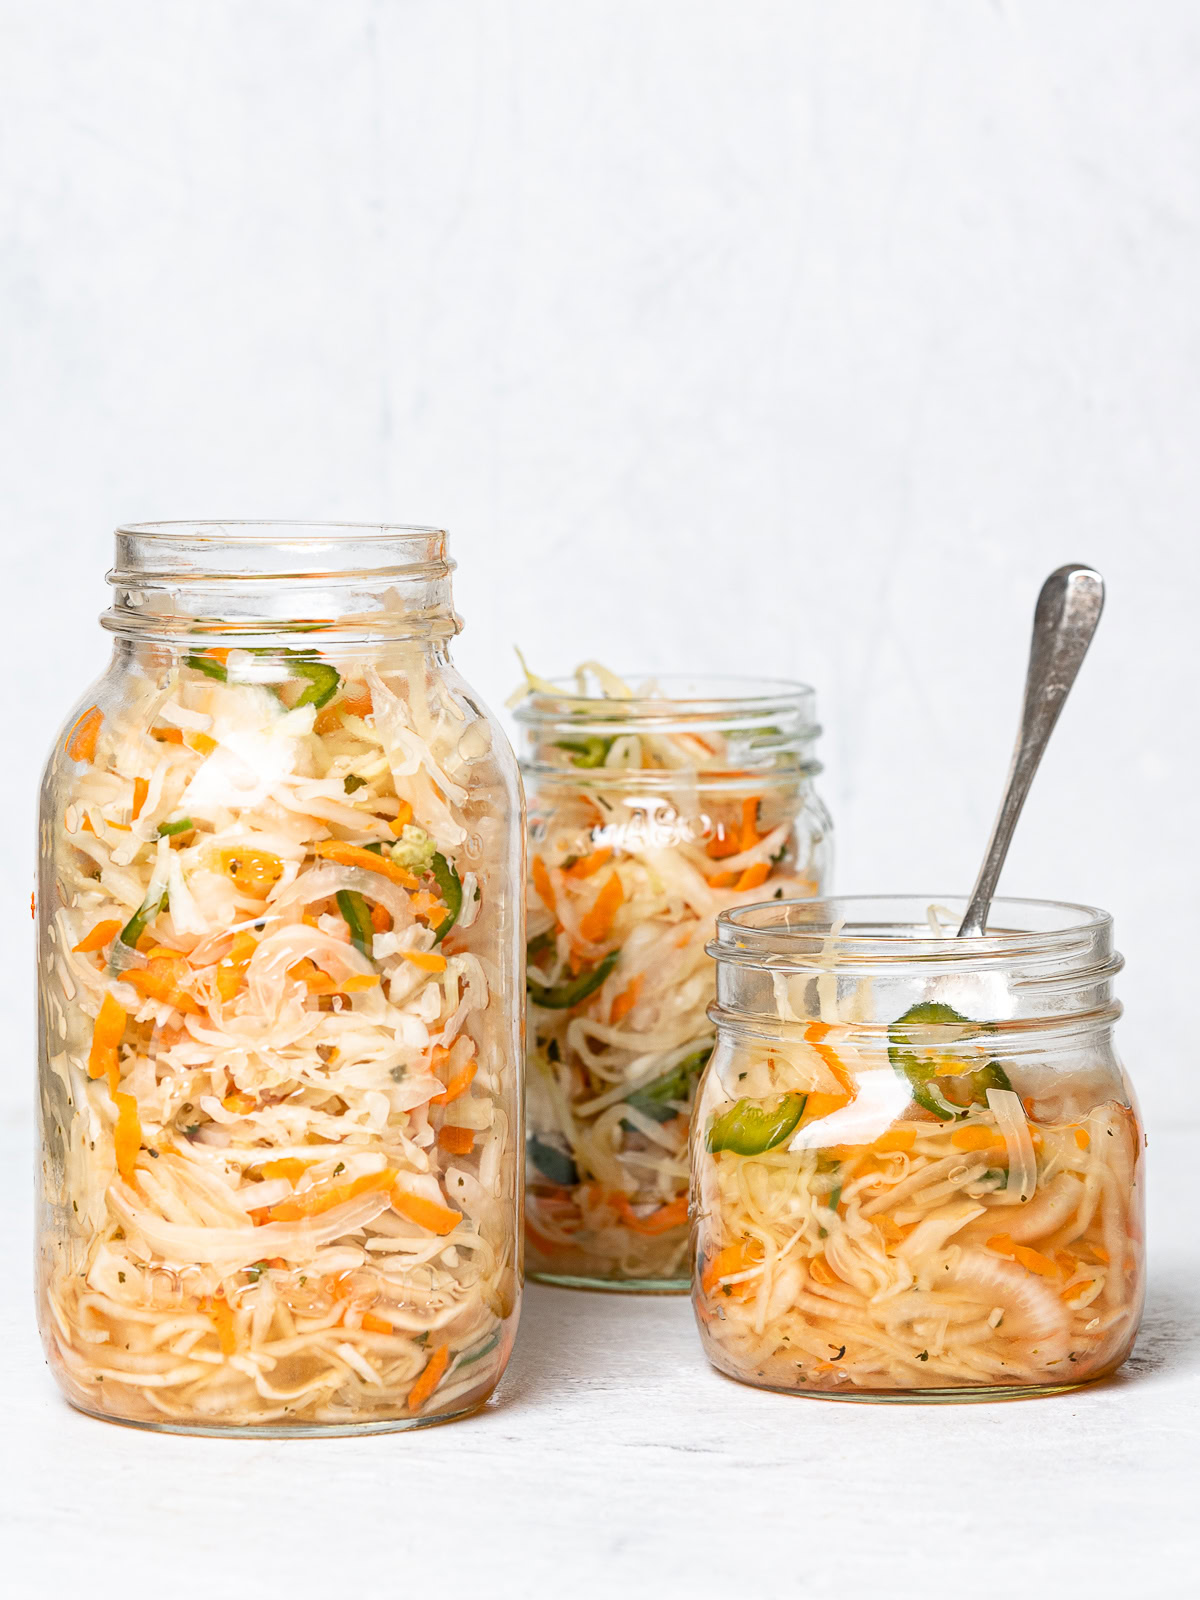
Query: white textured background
column 799, row 338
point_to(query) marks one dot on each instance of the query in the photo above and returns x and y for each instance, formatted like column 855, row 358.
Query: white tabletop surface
column 614, row 1462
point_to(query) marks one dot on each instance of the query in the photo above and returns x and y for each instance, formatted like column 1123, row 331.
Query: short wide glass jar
column 281, row 920
column 650, row 812
column 917, row 1162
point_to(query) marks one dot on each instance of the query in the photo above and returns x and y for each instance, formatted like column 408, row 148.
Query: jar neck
column 265, row 584
column 861, row 964
column 724, row 733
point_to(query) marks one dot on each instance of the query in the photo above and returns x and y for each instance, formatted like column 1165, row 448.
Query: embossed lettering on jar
column 917, row 1162
column 281, row 917
column 650, row 812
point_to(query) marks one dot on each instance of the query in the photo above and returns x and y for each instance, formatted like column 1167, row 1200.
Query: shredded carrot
column 1001, row 1244
column 289, row 1167
column 626, row 1000
column 456, row 1141
column 254, row 871
column 324, row 1196
column 81, row 741
column 427, row 960
column 231, row 969
column 896, row 1139
column 1074, row 1289
column 823, row 1272
column 316, row 981
column 892, row 1231
column 222, row 1316
column 103, row 933
column 1082, row 1138
column 107, row 1033
column 373, row 1324
column 425, row 1213
column 140, row 790
column 353, row 855
column 750, row 835
column 202, row 743
column 976, row 1137
column 754, row 875
column 722, row 880
column 381, row 918
column 327, row 720
column 402, row 818
column 596, row 925
column 127, row 1137
column 167, row 735
column 430, row 907
column 434, row 1371
column 586, row 865
column 358, row 981
column 673, row 1215
column 732, row 1259
column 458, row 1085
column 815, row 1035
column 1098, row 1251
column 542, row 883
column 161, row 980
column 722, row 843
column 239, row 1103
column 1035, row 1261
column 823, row 1105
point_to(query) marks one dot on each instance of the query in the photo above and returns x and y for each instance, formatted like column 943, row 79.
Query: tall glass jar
column 917, row 1162
column 650, row 812
column 281, row 922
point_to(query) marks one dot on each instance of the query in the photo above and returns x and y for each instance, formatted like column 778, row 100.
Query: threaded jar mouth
column 227, row 577
column 863, row 960
column 728, row 729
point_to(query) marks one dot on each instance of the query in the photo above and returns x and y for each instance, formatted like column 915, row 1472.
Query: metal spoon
column 1068, row 611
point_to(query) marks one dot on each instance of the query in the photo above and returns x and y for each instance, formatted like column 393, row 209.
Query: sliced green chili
column 141, row 919
column 450, row 888
column 561, row 996
column 179, row 825
column 553, row 1163
column 922, row 1070
column 654, row 1099
column 357, row 913
column 589, row 752
column 209, row 666
column 352, row 781
column 323, row 682
column 748, row 1128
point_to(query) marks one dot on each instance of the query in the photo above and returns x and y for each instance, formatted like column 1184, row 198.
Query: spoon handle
column 1068, row 611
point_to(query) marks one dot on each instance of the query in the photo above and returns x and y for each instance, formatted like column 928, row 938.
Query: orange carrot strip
column 103, row 933
column 238, row 1103
column 254, row 871
column 1035, row 1261
column 402, row 818
column 107, row 1032
column 754, row 875
column 81, row 741
column 381, row 918
column 750, row 833
column 289, row 1167
column 160, row 980
column 167, row 735
column 1082, row 1137
column 353, row 855
column 324, row 1196
column 430, row 907
column 456, row 1141
column 1002, row 1244
column 458, row 1085
column 542, row 883
column 202, row 743
column 975, row 1138
column 814, row 1035
column 626, row 1000
column 222, row 1316
column 427, row 960
column 822, row 1105
column 723, row 843
column 140, row 790
column 732, row 1259
column 896, row 1139
column 722, row 880
column 595, row 925
column 127, row 1137
column 358, row 981
column 434, row 1371
column 823, row 1272
column 425, row 1213
column 672, row 1215
column 586, row 865
column 373, row 1324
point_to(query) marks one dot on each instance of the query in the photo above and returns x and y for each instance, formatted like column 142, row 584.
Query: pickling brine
column 650, row 813
column 281, row 924
column 917, row 1164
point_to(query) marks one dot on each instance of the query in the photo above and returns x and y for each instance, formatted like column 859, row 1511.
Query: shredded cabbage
column 283, row 1103
column 628, row 877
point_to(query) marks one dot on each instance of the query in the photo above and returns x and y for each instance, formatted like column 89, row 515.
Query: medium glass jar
column 650, row 812
column 917, row 1162
column 281, row 922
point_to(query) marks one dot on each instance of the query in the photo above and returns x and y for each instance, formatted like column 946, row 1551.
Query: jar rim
column 849, row 932
column 699, row 697
column 230, row 529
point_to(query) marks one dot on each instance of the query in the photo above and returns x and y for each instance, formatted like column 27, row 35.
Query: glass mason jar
column 281, row 921
column 649, row 813
column 917, row 1162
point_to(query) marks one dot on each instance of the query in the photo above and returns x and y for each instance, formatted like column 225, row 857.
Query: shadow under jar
column 649, row 814
column 281, row 918
column 917, row 1163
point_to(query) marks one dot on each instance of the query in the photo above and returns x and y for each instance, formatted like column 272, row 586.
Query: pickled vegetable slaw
column 639, row 839
column 281, row 1117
